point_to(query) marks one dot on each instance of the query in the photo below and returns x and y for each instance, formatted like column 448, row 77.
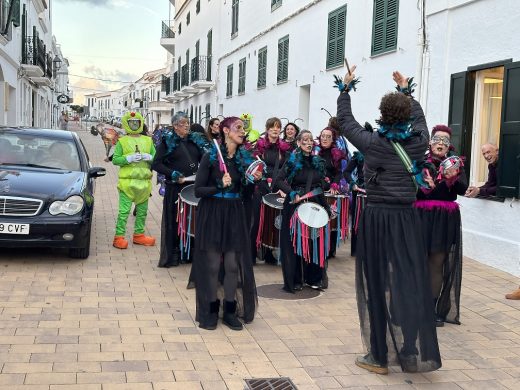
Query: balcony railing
column 33, row 53
column 201, row 68
column 175, row 86
column 166, row 30
column 165, row 84
column 185, row 76
column 48, row 69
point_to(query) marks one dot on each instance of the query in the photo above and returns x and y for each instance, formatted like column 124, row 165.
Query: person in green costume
column 252, row 135
column 133, row 154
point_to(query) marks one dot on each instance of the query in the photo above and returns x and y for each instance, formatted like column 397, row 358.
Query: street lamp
column 56, row 63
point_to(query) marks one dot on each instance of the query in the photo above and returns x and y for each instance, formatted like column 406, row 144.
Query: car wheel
column 83, row 252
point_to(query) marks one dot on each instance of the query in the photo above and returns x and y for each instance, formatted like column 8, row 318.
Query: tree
column 77, row 108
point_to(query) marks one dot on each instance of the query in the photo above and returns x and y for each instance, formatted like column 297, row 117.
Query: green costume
column 133, row 154
column 251, row 134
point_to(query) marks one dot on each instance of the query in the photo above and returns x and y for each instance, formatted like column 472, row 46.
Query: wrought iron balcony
column 168, row 36
column 185, row 76
column 175, row 86
column 165, row 84
column 201, row 72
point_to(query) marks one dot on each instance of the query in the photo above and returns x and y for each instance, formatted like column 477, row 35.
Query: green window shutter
column 262, row 67
column 336, row 37
column 457, row 111
column 229, row 87
column 234, row 17
column 283, row 59
column 242, row 76
column 508, row 173
column 385, row 26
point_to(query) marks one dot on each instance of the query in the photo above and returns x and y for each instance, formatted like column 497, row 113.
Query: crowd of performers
column 233, row 195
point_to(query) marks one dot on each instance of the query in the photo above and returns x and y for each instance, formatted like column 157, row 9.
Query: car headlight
column 71, row 206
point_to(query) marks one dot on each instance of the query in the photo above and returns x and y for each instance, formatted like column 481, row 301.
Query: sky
column 114, row 40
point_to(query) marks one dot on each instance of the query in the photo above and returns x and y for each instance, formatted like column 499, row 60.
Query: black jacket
column 386, row 178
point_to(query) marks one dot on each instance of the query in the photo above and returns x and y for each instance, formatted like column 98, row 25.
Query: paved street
column 115, row 321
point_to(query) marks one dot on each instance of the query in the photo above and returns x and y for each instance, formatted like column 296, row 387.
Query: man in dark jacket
column 490, row 153
column 392, row 284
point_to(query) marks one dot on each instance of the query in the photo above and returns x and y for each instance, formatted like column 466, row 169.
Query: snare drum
column 186, row 211
column 270, row 221
column 339, row 206
column 310, row 232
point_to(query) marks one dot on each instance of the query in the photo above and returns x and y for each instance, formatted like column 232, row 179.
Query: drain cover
column 276, row 291
column 270, row 384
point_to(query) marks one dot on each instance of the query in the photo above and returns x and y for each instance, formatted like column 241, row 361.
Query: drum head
column 187, row 195
column 313, row 215
column 273, row 200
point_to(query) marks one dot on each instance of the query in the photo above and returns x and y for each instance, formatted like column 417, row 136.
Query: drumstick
column 220, row 158
column 312, row 193
column 348, row 67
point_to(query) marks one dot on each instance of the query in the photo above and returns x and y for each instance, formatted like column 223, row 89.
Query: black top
column 300, row 179
column 355, row 164
column 443, row 191
column 386, row 178
column 270, row 155
column 490, row 186
column 209, row 178
column 333, row 173
column 166, row 163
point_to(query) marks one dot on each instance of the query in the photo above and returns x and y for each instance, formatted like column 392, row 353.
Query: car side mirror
column 97, row 172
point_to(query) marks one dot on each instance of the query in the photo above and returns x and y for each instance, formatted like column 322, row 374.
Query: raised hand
column 350, row 75
column 399, row 79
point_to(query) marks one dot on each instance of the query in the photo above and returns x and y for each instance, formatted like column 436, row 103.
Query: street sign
column 63, row 99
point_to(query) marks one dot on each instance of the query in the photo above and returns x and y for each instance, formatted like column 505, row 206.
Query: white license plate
column 14, row 228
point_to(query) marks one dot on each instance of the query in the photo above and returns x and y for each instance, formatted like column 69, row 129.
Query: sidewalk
column 115, row 321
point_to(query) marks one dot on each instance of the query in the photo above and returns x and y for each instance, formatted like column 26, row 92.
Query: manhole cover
column 276, row 291
column 270, row 384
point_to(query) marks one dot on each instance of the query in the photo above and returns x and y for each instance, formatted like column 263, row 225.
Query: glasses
column 437, row 139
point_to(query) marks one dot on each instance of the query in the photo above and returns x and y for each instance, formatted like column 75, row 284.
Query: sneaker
column 120, row 242
column 141, row 239
column 515, row 295
column 368, row 363
column 408, row 362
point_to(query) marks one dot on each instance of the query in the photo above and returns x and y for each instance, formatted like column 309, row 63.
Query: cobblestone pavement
column 115, row 321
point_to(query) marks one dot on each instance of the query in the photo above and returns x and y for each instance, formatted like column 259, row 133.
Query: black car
column 46, row 190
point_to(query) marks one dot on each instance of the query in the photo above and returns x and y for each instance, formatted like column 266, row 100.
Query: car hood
column 40, row 184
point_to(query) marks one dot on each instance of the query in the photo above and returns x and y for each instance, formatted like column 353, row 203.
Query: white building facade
column 29, row 62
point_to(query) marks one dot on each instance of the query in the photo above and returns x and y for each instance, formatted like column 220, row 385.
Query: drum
column 339, row 206
column 310, row 232
column 252, row 168
column 186, row 211
column 270, row 221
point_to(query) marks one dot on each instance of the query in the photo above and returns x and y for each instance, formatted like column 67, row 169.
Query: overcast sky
column 109, row 40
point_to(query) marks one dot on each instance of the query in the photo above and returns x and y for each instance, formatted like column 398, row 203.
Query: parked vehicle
column 47, row 188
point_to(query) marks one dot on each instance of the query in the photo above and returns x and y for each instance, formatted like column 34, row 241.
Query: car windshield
column 35, row 151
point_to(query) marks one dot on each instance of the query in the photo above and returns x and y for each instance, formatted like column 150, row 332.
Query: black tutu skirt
column 393, row 289
column 442, row 231
column 221, row 227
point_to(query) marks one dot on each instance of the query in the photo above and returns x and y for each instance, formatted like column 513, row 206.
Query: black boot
column 439, row 321
column 230, row 316
column 211, row 324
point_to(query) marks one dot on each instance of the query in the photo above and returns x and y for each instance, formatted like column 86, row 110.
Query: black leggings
column 230, row 274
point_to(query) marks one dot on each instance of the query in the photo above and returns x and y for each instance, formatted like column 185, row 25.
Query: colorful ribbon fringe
column 305, row 238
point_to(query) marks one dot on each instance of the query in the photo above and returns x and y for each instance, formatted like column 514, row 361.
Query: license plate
column 14, row 228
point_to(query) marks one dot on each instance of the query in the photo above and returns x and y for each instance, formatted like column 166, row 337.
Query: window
column 482, row 110
column 207, row 114
column 5, row 6
column 209, row 53
column 188, row 19
column 234, row 18
column 283, row 60
column 229, row 84
column 384, row 29
column 180, row 28
column 336, row 37
column 197, row 7
column 275, row 4
column 242, row 76
column 262, row 67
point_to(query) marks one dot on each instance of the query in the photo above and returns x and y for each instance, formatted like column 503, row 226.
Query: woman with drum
column 303, row 257
column 392, row 282
column 335, row 162
column 177, row 158
column 213, row 130
column 356, row 180
column 290, row 133
column 222, row 245
column 441, row 222
column 272, row 151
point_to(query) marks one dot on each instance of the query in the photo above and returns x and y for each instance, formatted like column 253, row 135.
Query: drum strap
column 276, row 166
column 192, row 164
